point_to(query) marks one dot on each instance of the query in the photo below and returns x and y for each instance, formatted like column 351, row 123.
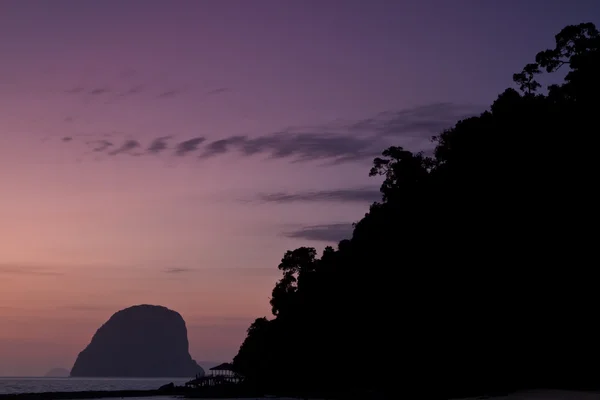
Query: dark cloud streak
column 134, row 90
column 420, row 121
column 126, row 147
column 188, row 146
column 357, row 195
column 357, row 141
column 331, row 233
column 300, row 147
column 333, row 144
column 169, row 93
column 158, row 145
column 100, row 145
column 221, row 146
column 98, row 91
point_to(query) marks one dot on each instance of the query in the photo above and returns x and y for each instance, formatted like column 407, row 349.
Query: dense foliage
column 475, row 271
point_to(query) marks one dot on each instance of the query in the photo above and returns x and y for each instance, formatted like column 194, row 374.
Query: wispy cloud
column 222, row 146
column 218, row 91
column 420, row 121
column 355, row 141
column 298, row 147
column 332, row 233
column 334, row 143
column 92, row 91
column 133, row 90
column 188, row 146
column 98, row 91
column 126, row 147
column 125, row 84
column 166, row 94
column 353, row 195
column 158, row 145
column 311, row 146
column 99, row 146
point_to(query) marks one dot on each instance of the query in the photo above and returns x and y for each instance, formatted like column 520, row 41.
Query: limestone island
column 144, row 341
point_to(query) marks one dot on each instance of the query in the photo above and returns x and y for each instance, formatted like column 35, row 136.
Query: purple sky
column 169, row 152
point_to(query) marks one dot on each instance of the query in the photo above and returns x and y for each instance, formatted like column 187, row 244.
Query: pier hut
column 219, row 375
column 225, row 369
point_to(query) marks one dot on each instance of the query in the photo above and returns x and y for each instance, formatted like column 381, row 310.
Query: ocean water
column 37, row 385
column 547, row 395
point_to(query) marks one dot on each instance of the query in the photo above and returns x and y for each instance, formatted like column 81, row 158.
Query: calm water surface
column 37, row 385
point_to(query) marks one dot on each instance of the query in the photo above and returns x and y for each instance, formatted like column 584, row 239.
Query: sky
column 170, row 152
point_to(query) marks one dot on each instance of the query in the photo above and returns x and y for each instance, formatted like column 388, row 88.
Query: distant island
column 57, row 373
column 143, row 341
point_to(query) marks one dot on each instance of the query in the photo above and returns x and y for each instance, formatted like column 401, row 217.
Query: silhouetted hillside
column 139, row 341
column 472, row 274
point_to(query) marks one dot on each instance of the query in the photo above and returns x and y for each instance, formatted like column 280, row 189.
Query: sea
column 10, row 385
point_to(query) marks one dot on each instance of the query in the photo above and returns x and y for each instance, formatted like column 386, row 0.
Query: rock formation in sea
column 139, row 341
column 57, row 373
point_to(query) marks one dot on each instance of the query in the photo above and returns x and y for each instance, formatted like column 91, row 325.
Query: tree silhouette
column 471, row 275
